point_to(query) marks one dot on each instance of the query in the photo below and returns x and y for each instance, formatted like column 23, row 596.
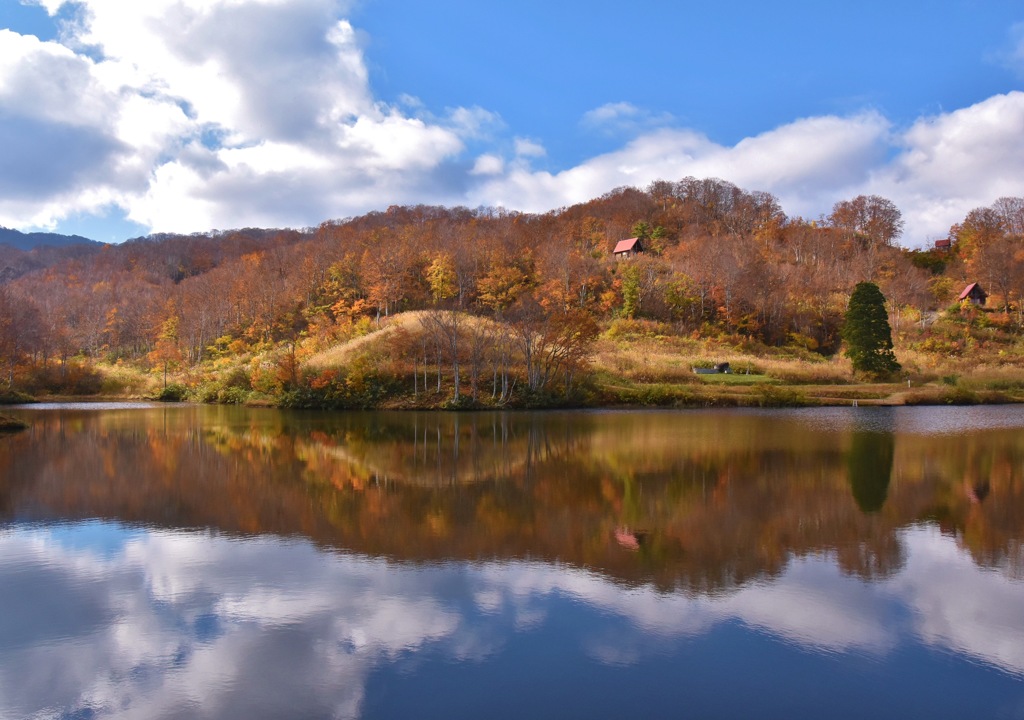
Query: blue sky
column 191, row 115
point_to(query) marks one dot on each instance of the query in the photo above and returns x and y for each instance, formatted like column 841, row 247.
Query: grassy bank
column 629, row 364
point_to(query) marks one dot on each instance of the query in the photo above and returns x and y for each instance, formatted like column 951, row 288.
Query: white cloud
column 610, row 113
column 801, row 162
column 623, row 117
column 122, row 114
column 282, row 86
column 488, row 164
column 952, row 163
column 935, row 171
column 528, row 148
column 48, row 82
column 474, row 122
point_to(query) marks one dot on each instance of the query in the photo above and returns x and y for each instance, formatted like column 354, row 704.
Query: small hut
column 628, row 248
column 974, row 294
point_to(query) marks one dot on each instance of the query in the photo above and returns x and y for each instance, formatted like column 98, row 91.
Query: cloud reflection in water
column 123, row 623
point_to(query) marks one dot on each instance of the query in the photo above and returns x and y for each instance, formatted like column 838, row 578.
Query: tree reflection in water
column 718, row 498
column 870, row 466
column 252, row 563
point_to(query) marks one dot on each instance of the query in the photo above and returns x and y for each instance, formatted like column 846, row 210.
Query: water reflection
column 222, row 562
column 870, row 466
column 696, row 501
column 145, row 624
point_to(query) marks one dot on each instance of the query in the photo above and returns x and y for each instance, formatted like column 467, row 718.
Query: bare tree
column 870, row 216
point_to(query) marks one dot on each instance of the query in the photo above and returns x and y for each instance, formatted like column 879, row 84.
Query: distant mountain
column 29, row 241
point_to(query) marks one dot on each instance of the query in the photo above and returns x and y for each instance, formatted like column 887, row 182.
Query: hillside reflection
column 698, row 501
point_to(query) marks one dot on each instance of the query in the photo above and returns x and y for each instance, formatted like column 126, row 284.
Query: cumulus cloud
column 193, row 115
column 58, row 146
column 801, row 162
column 488, row 164
column 936, row 170
column 198, row 114
column 951, row 163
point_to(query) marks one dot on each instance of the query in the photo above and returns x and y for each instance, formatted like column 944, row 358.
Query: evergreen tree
column 867, row 333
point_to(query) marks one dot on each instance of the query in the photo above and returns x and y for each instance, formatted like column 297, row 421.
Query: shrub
column 205, row 393
column 630, row 329
column 465, row 402
column 175, row 392
column 233, row 396
column 359, row 386
column 775, row 396
column 13, row 397
column 237, row 378
column 654, row 395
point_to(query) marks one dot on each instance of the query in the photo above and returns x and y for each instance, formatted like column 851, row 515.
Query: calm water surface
column 210, row 562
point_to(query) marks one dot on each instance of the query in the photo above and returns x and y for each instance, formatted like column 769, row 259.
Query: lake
column 219, row 562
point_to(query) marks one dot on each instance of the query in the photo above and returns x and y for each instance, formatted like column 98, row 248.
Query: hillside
column 430, row 306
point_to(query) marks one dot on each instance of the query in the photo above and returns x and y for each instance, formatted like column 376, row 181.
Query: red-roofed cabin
column 628, row 248
column 943, row 245
column 974, row 293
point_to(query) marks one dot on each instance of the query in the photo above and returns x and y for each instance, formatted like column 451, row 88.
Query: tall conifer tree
column 867, row 333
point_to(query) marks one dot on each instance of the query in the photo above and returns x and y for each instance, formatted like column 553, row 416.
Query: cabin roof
column 627, row 245
column 972, row 289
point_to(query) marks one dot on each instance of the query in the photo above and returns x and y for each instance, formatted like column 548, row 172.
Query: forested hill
column 718, row 263
column 28, row 241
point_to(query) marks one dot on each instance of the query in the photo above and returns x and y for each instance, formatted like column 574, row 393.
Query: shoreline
column 682, row 397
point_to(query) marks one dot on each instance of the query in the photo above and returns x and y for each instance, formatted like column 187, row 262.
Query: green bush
column 175, row 392
column 233, row 395
column 237, row 378
column 13, row 397
column 205, row 393
column 465, row 402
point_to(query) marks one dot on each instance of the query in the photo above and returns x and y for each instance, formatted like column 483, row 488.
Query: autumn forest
column 430, row 306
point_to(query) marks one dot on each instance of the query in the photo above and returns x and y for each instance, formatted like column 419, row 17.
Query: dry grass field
column 658, row 369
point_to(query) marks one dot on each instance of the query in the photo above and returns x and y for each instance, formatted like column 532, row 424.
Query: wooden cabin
column 974, row 294
column 628, row 248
